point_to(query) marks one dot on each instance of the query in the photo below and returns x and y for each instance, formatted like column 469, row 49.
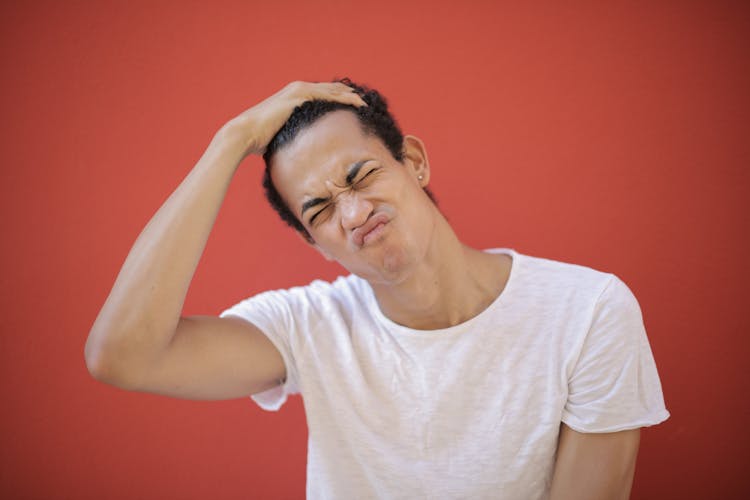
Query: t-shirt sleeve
column 273, row 313
column 614, row 384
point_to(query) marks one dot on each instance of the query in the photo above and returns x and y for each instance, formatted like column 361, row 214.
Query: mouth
column 370, row 230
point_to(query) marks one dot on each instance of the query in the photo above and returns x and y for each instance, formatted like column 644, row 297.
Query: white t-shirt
column 470, row 411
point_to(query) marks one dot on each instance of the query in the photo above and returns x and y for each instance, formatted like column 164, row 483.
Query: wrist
column 237, row 136
column 224, row 150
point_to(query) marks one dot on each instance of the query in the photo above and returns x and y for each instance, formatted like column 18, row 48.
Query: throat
column 448, row 295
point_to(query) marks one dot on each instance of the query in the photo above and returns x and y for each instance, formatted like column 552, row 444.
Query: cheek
column 411, row 195
column 398, row 185
column 327, row 235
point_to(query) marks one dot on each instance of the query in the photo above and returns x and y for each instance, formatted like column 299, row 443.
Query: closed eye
column 315, row 216
column 366, row 175
column 358, row 183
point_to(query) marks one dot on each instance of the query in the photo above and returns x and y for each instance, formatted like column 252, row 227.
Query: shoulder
column 557, row 281
column 317, row 297
column 565, row 272
column 345, row 292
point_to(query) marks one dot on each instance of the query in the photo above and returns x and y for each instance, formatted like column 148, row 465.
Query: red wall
column 608, row 135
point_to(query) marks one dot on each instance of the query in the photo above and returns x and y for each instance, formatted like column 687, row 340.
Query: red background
column 610, row 135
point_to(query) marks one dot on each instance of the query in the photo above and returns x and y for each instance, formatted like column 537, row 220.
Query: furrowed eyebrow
column 353, row 171
column 311, row 203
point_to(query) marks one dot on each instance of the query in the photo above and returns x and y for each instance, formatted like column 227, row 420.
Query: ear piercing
column 420, row 177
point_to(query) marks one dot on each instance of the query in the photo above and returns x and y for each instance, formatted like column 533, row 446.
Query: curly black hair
column 374, row 118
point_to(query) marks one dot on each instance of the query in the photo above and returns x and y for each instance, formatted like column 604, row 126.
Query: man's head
column 354, row 187
column 374, row 119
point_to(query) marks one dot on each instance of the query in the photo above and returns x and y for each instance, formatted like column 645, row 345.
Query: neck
column 452, row 284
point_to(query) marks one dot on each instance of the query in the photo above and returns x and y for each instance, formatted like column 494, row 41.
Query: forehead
column 322, row 151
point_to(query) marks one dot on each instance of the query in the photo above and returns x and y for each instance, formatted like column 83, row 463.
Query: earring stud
column 420, row 177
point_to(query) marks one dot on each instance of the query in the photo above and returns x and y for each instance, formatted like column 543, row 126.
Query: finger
column 330, row 88
column 341, row 87
column 351, row 95
column 354, row 98
column 340, row 92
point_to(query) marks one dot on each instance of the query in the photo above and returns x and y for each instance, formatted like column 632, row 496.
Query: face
column 362, row 207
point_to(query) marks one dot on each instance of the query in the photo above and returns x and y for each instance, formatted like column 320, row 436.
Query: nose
column 355, row 210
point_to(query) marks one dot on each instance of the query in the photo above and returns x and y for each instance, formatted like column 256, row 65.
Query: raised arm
column 139, row 340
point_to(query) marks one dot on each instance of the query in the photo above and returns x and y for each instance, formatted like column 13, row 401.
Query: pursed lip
column 358, row 235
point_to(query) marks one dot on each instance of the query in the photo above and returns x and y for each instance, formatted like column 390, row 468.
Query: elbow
column 97, row 365
column 106, row 366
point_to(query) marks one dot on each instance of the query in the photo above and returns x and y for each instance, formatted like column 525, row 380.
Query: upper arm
column 612, row 376
column 594, row 466
column 214, row 358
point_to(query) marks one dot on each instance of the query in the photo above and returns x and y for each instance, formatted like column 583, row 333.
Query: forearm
column 138, row 321
column 141, row 313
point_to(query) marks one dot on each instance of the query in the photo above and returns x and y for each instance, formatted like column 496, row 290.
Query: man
column 434, row 369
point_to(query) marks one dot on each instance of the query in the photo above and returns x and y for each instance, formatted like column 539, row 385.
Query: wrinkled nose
column 355, row 210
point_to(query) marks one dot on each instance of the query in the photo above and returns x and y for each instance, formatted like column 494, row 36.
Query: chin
column 393, row 266
column 395, row 262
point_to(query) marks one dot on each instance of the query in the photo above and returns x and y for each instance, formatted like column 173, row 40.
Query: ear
column 309, row 241
column 415, row 158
